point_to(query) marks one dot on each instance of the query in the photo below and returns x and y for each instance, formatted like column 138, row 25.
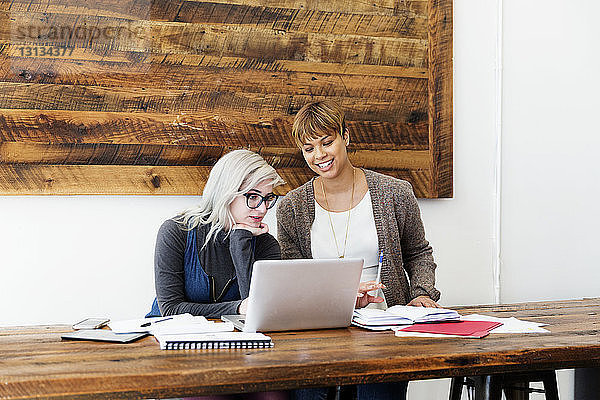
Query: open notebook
column 376, row 319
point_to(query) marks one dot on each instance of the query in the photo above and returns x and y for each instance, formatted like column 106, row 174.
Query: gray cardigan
column 400, row 235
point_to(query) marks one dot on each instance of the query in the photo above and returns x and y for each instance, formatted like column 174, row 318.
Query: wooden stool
column 514, row 385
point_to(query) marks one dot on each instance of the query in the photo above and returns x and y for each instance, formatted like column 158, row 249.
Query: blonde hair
column 317, row 119
column 234, row 174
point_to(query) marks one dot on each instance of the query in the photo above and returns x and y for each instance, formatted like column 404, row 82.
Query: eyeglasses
column 254, row 200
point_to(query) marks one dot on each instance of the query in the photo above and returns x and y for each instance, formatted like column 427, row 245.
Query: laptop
column 288, row 295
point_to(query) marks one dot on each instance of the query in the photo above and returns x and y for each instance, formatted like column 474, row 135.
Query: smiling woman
column 352, row 212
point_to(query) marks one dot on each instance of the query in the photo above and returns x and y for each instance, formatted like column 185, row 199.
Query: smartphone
column 91, row 323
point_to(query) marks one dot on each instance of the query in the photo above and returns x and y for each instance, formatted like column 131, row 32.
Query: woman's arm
column 267, row 248
column 170, row 278
column 243, row 256
column 288, row 240
column 417, row 254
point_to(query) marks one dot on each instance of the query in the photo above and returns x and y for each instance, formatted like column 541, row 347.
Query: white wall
column 462, row 230
column 63, row 258
column 550, row 173
column 551, row 137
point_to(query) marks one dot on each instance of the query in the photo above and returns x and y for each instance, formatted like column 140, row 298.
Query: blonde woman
column 203, row 257
column 351, row 212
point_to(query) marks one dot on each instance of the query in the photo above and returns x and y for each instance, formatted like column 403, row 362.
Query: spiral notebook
column 213, row 340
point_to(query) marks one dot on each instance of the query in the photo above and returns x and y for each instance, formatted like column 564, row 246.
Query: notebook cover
column 476, row 329
column 103, row 335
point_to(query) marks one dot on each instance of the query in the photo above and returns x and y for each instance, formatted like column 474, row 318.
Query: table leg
column 456, row 388
column 488, row 387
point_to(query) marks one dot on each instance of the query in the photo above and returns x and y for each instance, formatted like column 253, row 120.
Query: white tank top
column 362, row 236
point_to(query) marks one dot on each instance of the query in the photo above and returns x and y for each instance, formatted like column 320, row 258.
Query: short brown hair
column 317, row 119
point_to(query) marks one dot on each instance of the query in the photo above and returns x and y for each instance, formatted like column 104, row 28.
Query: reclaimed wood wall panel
column 161, row 180
column 440, row 98
column 143, row 96
column 131, row 154
column 233, row 129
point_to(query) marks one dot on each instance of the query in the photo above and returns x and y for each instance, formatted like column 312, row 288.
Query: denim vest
column 199, row 287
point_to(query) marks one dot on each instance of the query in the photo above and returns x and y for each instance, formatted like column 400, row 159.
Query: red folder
column 475, row 329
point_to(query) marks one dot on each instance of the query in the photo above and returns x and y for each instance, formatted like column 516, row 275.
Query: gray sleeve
column 170, row 278
column 286, row 233
column 240, row 247
column 267, row 248
column 417, row 254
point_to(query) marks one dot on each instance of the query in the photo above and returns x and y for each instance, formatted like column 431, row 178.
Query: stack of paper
column 375, row 319
column 474, row 325
column 509, row 325
column 174, row 324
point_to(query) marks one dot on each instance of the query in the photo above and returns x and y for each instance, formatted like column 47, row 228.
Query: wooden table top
column 34, row 362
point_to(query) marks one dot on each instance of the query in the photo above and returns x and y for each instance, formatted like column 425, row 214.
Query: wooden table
column 34, row 362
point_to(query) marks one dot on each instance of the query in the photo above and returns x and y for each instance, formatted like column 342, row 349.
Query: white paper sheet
column 509, row 325
column 150, row 324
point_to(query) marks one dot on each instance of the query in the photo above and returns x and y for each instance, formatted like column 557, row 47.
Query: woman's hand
column 363, row 298
column 255, row 230
column 423, row 301
column 243, row 307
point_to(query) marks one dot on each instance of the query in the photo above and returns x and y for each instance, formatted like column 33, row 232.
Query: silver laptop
column 288, row 295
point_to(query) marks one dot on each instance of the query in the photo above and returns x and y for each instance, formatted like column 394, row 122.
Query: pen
column 378, row 279
column 147, row 324
column 379, row 263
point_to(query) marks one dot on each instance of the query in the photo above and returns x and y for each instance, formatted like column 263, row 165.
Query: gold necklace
column 337, row 250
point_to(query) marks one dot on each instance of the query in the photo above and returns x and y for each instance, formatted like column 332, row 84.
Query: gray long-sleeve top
column 224, row 258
